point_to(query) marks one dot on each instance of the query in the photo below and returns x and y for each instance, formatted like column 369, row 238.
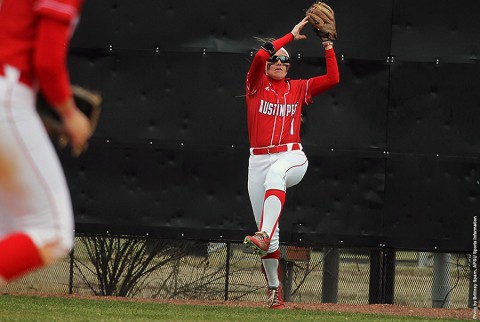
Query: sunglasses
column 282, row 59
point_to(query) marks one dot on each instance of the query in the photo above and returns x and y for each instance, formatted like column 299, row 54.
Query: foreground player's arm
column 51, row 70
column 50, row 62
column 320, row 84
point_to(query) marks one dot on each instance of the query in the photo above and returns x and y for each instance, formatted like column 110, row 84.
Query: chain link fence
column 173, row 269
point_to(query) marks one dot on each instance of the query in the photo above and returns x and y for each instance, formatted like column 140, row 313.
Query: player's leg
column 37, row 219
column 271, row 270
column 286, row 172
column 256, row 192
column 270, row 266
column 258, row 169
column 257, row 172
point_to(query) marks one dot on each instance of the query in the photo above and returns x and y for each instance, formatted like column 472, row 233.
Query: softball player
column 277, row 162
column 36, row 219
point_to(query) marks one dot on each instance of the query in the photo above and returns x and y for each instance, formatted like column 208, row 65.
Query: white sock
column 271, row 211
column 271, row 270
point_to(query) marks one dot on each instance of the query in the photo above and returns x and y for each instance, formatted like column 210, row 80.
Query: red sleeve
column 257, row 68
column 64, row 10
column 320, row 84
column 57, row 20
column 280, row 42
column 50, row 60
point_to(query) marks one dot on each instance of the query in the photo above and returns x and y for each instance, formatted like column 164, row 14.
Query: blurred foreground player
column 36, row 218
column 277, row 162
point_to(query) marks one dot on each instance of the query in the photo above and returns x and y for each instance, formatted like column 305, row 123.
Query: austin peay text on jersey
column 275, row 109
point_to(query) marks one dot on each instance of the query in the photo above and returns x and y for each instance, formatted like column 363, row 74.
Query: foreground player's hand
column 77, row 130
column 73, row 121
column 296, row 31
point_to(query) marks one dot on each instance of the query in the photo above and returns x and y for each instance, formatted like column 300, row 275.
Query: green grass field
column 33, row 308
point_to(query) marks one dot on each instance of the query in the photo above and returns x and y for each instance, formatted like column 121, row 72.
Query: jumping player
column 36, row 217
column 277, row 162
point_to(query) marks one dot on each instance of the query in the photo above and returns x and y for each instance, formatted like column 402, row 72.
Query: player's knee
column 55, row 250
column 275, row 183
column 53, row 244
column 276, row 179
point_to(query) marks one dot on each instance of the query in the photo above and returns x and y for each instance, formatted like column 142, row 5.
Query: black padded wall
column 424, row 31
column 177, row 97
column 393, row 149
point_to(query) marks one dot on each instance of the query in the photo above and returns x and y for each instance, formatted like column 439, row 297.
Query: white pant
column 34, row 196
column 273, row 171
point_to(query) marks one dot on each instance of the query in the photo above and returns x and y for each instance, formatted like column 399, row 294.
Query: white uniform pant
column 34, row 196
column 273, row 171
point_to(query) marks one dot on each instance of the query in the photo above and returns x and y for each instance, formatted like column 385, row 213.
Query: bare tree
column 121, row 266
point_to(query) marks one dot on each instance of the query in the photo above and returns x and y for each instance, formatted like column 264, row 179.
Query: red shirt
column 274, row 107
column 24, row 46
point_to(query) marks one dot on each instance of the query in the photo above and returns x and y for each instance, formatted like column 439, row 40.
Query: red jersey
column 19, row 31
column 274, row 107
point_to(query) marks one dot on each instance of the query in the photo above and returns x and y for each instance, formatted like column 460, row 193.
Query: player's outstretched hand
column 296, row 31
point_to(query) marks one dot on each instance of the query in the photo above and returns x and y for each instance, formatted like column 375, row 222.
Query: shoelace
column 273, row 299
column 261, row 235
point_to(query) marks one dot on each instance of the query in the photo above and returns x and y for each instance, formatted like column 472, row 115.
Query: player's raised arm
column 322, row 83
column 268, row 49
column 322, row 19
